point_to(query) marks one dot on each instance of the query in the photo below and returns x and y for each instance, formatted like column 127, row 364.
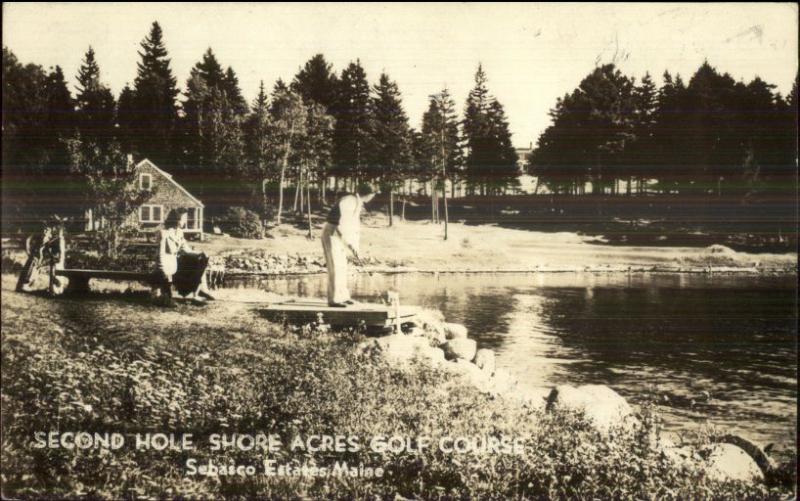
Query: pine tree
column 60, row 105
column 314, row 152
column 638, row 156
column 95, row 103
column 280, row 86
column 234, row 93
column 26, row 135
column 475, row 130
column 352, row 136
column 487, row 139
column 257, row 133
column 127, row 114
column 288, row 115
column 390, row 154
column 316, row 82
column 213, row 136
column 154, row 111
column 440, row 150
column 60, row 120
column 504, row 157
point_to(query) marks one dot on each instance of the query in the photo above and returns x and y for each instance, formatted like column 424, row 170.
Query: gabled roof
column 169, row 177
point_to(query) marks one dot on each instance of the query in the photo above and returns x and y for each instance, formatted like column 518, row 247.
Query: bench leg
column 78, row 285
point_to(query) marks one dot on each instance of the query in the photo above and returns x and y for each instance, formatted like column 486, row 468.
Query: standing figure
column 178, row 264
column 342, row 232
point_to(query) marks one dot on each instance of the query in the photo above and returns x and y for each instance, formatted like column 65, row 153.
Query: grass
column 116, row 363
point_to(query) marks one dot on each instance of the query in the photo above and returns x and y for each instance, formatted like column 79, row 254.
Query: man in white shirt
column 342, row 232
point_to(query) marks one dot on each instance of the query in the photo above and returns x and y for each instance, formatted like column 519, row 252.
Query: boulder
column 471, row 373
column 454, row 331
column 532, row 397
column 503, row 383
column 766, row 463
column 602, row 406
column 484, row 359
column 432, row 322
column 435, row 337
column 460, row 348
column 728, row 462
column 402, row 348
column 682, row 457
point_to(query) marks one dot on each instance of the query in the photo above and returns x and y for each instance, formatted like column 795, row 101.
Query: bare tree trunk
column 283, row 174
column 298, row 181
column 302, row 193
column 264, row 202
column 391, row 205
column 404, row 209
column 308, row 201
column 444, row 200
column 433, row 206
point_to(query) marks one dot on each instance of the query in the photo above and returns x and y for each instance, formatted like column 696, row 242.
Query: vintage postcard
column 399, row 251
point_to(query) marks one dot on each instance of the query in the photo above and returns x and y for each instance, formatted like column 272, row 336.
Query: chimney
column 130, row 159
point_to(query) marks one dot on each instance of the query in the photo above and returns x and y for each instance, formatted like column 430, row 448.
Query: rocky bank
column 447, row 346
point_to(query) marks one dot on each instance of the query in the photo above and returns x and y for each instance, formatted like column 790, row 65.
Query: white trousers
column 336, row 262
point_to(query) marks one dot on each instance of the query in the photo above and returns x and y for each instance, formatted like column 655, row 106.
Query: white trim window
column 151, row 213
column 145, row 181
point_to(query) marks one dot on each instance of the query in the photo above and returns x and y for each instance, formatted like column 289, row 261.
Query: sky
column 532, row 53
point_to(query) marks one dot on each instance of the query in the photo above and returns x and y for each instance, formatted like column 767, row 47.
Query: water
column 713, row 350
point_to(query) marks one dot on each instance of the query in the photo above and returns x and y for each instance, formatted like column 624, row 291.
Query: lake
column 712, row 350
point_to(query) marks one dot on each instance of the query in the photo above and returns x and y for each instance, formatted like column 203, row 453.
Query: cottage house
column 167, row 194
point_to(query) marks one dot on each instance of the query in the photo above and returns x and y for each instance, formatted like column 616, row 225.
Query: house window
column 145, row 181
column 151, row 214
column 191, row 219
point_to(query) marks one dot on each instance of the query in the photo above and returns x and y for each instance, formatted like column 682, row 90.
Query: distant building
column 167, row 194
column 522, row 156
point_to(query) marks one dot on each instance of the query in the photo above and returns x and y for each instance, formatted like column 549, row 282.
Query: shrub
column 226, row 371
column 242, row 223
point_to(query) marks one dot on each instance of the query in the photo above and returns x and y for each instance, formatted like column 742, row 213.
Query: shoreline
column 434, row 369
column 594, row 271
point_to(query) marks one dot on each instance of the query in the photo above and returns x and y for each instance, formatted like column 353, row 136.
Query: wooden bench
column 79, row 279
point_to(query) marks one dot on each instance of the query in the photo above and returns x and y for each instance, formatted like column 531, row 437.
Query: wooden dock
column 306, row 310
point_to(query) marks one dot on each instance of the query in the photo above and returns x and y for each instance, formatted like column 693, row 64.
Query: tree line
column 712, row 136
column 321, row 126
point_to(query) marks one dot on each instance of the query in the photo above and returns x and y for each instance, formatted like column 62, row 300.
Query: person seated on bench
column 42, row 248
column 178, row 264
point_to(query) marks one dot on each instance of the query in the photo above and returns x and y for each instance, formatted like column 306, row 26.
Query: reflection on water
column 716, row 349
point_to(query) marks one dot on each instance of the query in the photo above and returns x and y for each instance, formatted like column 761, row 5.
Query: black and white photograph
column 399, row 251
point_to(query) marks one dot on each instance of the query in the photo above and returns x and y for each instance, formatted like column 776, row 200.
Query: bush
column 242, row 223
column 201, row 375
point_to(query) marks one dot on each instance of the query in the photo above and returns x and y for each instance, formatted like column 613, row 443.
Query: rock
column 471, row 373
column 401, row 348
column 532, row 397
column 766, row 463
column 484, row 359
column 435, row 337
column 460, row 348
column 454, row 331
column 683, row 457
column 729, row 462
column 503, row 383
column 602, row 406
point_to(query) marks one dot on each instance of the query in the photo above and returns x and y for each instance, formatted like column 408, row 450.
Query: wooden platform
column 373, row 315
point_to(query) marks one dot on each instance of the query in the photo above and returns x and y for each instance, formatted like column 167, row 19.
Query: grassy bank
column 116, row 363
